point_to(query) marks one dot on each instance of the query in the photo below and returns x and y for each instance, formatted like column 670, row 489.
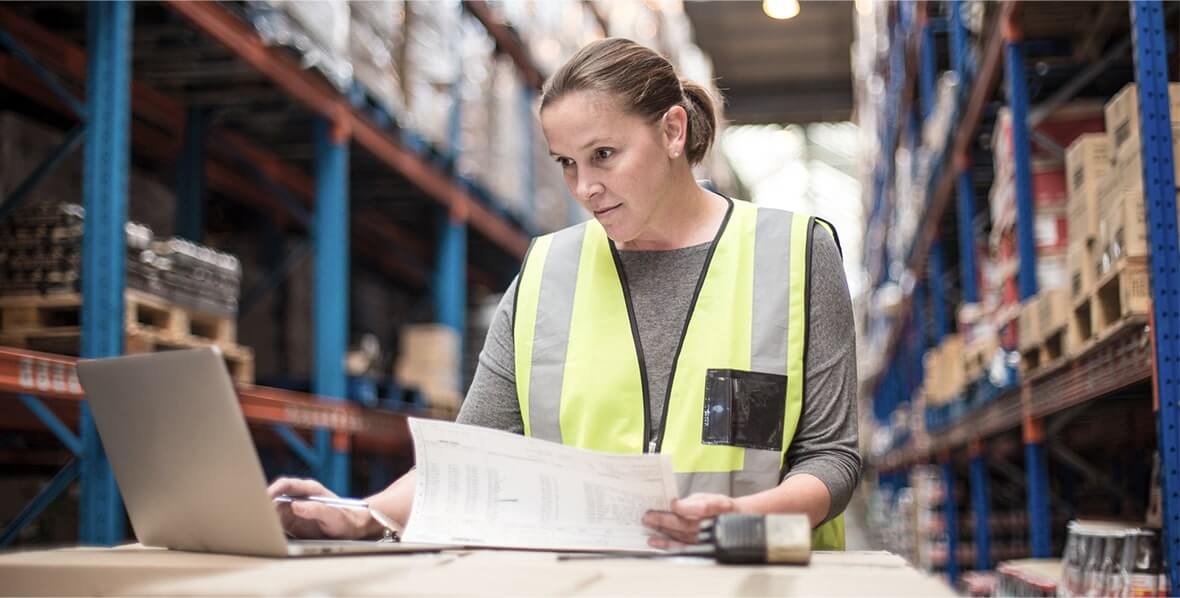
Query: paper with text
column 481, row 487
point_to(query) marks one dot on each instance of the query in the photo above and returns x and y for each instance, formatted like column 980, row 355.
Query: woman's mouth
column 605, row 211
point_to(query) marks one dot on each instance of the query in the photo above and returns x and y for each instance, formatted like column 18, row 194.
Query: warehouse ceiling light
column 780, row 9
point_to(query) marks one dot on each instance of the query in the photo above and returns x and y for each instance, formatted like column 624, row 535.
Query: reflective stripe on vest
column 579, row 366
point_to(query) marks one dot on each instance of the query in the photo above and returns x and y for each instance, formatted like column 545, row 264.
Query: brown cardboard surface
column 147, row 572
column 99, row 571
column 1087, row 160
column 333, row 575
column 1121, row 114
column 1081, row 270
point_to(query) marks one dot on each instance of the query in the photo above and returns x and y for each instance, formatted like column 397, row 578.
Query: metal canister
column 1141, row 565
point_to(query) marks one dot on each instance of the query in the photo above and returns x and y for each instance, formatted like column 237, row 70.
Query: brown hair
column 644, row 82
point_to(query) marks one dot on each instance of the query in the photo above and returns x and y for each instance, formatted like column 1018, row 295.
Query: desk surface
column 139, row 571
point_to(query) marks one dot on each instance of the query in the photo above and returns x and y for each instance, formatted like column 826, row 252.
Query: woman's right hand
column 312, row 520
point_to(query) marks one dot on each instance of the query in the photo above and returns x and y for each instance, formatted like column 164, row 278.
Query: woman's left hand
column 680, row 525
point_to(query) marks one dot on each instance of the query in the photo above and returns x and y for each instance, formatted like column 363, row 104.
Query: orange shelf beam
column 54, row 376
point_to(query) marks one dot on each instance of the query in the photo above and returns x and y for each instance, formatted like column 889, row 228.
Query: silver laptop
column 184, row 461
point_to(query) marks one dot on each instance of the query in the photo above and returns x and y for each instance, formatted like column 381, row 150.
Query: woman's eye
column 565, row 162
column 603, row 154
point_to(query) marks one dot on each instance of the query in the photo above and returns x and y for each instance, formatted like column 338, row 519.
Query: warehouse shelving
column 121, row 113
column 1138, row 356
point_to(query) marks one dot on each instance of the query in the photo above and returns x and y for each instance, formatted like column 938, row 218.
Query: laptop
column 184, row 460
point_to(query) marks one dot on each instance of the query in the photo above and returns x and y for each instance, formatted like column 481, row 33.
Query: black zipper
column 614, row 252
column 659, row 440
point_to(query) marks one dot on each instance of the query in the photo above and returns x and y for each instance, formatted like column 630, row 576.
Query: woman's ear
column 674, row 128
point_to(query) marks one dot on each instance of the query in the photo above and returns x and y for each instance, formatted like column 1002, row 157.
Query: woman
column 676, row 320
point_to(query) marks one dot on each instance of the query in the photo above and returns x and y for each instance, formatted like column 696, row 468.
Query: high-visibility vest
column 737, row 384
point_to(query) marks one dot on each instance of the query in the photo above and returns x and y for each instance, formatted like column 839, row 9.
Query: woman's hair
column 643, row 81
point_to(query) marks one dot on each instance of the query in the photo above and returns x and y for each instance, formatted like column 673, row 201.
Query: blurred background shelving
column 1015, row 346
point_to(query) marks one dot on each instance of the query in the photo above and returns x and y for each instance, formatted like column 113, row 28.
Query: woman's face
column 617, row 165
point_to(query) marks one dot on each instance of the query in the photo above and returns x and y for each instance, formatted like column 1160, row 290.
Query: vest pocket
column 744, row 409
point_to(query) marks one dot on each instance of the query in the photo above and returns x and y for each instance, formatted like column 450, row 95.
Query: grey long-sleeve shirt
column 662, row 284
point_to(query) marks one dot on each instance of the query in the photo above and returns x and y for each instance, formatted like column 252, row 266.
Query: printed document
column 481, row 487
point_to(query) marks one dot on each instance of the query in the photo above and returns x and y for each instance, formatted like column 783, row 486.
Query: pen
column 348, row 503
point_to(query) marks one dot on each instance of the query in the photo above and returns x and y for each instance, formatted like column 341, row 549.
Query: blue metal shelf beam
column 1022, row 164
column 331, row 290
column 1149, row 31
column 937, row 293
column 106, row 165
column 1037, row 470
column 966, row 200
column 927, row 69
column 981, row 505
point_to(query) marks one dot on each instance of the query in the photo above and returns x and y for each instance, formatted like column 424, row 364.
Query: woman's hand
column 307, row 519
column 680, row 525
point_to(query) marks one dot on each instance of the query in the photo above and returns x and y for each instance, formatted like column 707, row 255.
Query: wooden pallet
column 1121, row 294
column 1047, row 353
column 21, row 313
column 52, row 323
column 68, row 341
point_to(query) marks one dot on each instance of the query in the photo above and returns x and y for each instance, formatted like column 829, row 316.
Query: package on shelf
column 947, row 370
column 1029, row 324
column 1104, row 558
column 553, row 31
column 41, row 248
column 1122, row 123
column 429, row 361
column 316, row 29
column 196, row 276
column 1082, row 269
column 1063, row 126
column 375, row 41
column 1052, row 268
column 432, row 67
column 1122, row 231
column 512, row 130
column 476, row 49
column 1052, row 311
column 1087, row 160
column 41, row 252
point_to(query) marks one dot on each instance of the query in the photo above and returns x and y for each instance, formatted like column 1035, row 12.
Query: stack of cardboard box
column 429, row 361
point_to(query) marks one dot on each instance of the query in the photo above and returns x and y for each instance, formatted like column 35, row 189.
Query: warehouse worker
column 676, row 320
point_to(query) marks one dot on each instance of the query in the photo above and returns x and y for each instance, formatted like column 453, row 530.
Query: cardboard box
column 978, row 355
column 1109, row 192
column 1125, row 216
column 945, row 371
column 1029, row 325
column 1052, row 311
column 429, row 361
column 1087, row 160
column 1122, row 121
column 1082, row 270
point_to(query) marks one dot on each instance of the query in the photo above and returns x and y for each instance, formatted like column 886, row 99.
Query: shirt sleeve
column 491, row 400
column 826, row 439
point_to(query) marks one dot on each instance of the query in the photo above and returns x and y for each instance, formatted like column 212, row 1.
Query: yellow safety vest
column 736, row 388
